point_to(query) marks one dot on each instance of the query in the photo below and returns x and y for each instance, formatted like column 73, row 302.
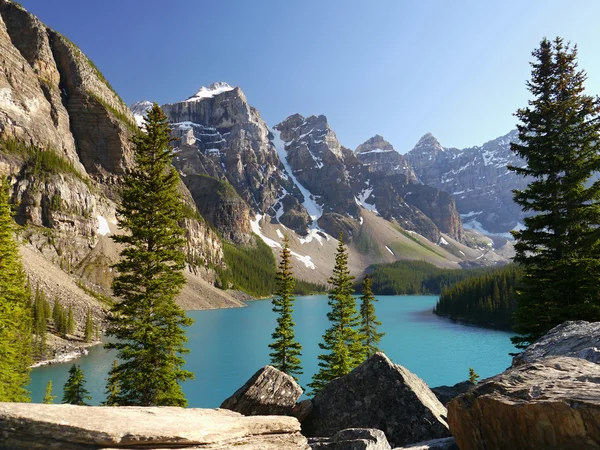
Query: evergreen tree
column 368, row 320
column 559, row 248
column 147, row 323
column 74, row 391
column 342, row 341
column 473, row 376
column 112, row 387
column 16, row 317
column 48, row 397
column 70, row 321
column 88, row 334
column 40, row 323
column 286, row 350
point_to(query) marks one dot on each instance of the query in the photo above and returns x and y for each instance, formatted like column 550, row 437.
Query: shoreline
column 67, row 355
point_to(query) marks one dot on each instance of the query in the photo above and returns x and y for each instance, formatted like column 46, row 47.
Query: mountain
column 477, row 178
column 64, row 143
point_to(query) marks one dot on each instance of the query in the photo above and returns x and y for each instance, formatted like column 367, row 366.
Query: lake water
column 229, row 345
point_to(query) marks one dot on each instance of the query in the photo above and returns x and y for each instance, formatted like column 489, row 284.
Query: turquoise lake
column 229, row 345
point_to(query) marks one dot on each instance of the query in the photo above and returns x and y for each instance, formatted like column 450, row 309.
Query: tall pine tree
column 342, row 341
column 147, row 323
column 368, row 320
column 75, row 392
column 286, row 350
column 559, row 248
column 16, row 317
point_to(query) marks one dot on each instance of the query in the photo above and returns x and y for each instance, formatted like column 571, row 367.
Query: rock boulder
column 550, row 403
column 578, row 339
column 352, row 439
column 382, row 395
column 27, row 426
column 268, row 392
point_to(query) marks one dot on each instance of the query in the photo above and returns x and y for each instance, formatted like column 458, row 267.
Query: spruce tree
column 16, row 317
column 88, row 334
column 147, row 323
column 74, row 391
column 70, row 321
column 368, row 320
column 559, row 248
column 286, row 351
column 112, row 387
column 48, row 397
column 342, row 341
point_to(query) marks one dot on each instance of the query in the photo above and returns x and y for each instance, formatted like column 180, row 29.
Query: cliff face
column 64, row 142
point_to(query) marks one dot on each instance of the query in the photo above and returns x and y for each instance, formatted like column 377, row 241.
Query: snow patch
column 443, row 241
column 313, row 233
column 279, row 233
column 210, row 91
column 361, row 200
column 361, row 220
column 377, row 150
column 103, row 228
column 389, row 249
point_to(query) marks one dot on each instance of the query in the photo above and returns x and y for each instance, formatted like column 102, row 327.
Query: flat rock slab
column 352, row 439
column 382, row 395
column 549, row 404
column 69, row 427
column 268, row 392
column 578, row 339
column 435, row 444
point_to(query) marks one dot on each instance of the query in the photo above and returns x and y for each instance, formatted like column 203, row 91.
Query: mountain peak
column 139, row 110
column 428, row 140
column 375, row 144
column 210, row 91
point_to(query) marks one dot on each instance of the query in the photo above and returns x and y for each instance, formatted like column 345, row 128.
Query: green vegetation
column 559, row 248
column 304, row 287
column 342, row 341
column 105, row 299
column 286, row 350
column 147, row 324
column 488, row 300
column 48, row 397
column 119, row 114
column 16, row 324
column 473, row 376
column 88, row 334
column 416, row 278
column 75, row 392
column 368, row 320
column 249, row 269
column 112, row 386
column 41, row 315
column 41, row 163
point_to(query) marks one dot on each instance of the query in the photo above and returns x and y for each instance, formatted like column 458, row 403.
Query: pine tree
column 286, row 350
column 559, row 248
column 112, row 387
column 473, row 376
column 48, row 397
column 147, row 323
column 74, row 391
column 16, row 316
column 88, row 335
column 369, row 323
column 70, row 321
column 342, row 341
column 40, row 323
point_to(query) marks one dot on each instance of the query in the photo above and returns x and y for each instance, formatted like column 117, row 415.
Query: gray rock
column 447, row 393
column 382, row 395
column 578, row 339
column 36, row 426
column 268, row 392
column 353, row 439
column 434, row 444
column 302, row 409
column 550, row 403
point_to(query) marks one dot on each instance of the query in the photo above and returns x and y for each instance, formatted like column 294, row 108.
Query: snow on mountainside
column 477, row 178
column 210, row 91
column 139, row 110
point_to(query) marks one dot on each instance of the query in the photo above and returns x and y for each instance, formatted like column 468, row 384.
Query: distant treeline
column 253, row 269
column 487, row 300
column 417, row 278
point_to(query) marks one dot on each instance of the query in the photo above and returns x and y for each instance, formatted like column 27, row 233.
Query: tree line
column 487, row 300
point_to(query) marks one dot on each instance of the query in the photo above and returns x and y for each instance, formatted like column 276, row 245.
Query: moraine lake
column 229, row 345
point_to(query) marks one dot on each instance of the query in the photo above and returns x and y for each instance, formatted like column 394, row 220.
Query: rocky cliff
column 476, row 177
column 64, row 142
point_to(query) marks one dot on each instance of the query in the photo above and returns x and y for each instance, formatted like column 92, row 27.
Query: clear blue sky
column 397, row 68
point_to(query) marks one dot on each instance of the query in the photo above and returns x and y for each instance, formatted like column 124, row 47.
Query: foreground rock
column 268, row 392
column 382, row 395
column 445, row 394
column 435, row 444
column 551, row 403
column 578, row 339
column 352, row 439
column 68, row 427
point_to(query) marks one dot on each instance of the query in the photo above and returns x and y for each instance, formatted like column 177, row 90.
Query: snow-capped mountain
column 477, row 178
column 139, row 110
